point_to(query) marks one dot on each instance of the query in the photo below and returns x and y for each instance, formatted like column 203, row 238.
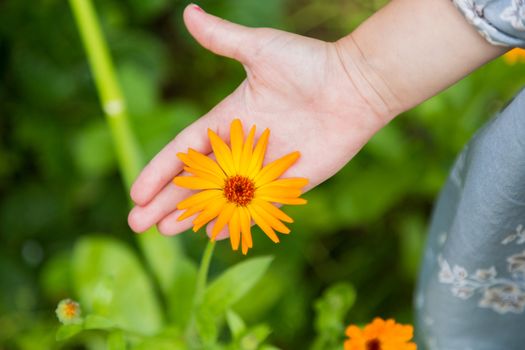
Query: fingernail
column 197, row 7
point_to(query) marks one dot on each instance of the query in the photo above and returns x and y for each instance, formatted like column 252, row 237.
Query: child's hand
column 322, row 99
column 297, row 87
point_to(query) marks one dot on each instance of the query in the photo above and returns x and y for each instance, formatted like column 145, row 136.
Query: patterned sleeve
column 501, row 22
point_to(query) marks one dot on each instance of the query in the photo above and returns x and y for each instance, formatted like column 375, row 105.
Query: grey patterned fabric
column 501, row 22
column 471, row 289
column 471, row 292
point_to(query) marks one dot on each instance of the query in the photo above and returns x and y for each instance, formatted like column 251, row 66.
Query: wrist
column 406, row 53
column 371, row 85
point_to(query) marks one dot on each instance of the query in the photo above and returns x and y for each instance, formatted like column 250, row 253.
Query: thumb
column 218, row 35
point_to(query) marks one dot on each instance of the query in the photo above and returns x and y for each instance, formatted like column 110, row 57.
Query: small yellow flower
column 380, row 335
column 68, row 312
column 237, row 189
column 514, row 56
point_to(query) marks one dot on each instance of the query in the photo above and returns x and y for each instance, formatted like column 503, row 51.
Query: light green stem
column 200, row 288
column 127, row 149
column 129, row 155
column 202, row 275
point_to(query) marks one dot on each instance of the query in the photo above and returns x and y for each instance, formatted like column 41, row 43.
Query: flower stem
column 200, row 288
column 129, row 154
column 202, row 274
column 127, row 149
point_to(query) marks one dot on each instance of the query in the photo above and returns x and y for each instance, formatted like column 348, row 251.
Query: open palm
column 297, row 87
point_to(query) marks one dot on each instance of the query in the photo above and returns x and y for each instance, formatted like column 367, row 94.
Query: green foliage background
column 358, row 241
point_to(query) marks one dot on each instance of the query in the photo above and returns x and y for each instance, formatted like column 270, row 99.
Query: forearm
column 410, row 50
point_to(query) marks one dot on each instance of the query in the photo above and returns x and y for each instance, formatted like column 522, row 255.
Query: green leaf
column 116, row 341
column 98, row 322
column 207, row 326
column 163, row 255
column 182, row 292
column 255, row 336
column 67, row 331
column 235, row 323
column 331, row 310
column 175, row 273
column 225, row 291
column 233, row 284
column 169, row 339
column 111, row 283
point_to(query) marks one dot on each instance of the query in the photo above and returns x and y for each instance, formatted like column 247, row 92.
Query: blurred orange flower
column 68, row 312
column 380, row 335
column 236, row 188
column 514, row 56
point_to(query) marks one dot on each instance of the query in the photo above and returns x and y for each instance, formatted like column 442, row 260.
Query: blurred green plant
column 331, row 310
column 59, row 179
column 116, row 293
column 108, row 277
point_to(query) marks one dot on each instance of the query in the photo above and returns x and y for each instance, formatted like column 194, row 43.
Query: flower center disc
column 239, row 190
column 373, row 344
column 70, row 310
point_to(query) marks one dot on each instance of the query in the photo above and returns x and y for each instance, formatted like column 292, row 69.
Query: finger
column 223, row 234
column 170, row 225
column 165, row 165
column 142, row 218
column 218, row 35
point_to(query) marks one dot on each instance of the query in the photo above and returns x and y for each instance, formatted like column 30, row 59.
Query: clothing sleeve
column 501, row 22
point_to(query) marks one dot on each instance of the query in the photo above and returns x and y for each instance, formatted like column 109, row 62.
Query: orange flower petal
column 282, row 200
column 296, row 182
column 197, row 198
column 244, row 246
column 235, row 229
column 204, row 162
column 278, row 191
column 272, row 209
column 389, row 334
column 515, row 55
column 192, row 211
column 206, row 176
column 275, row 169
column 258, row 154
column 270, row 219
column 209, row 213
column 200, row 162
column 223, row 219
column 246, row 223
column 246, row 155
column 222, row 153
column 236, row 141
column 194, row 183
column 263, row 224
column 236, row 188
column 353, row 331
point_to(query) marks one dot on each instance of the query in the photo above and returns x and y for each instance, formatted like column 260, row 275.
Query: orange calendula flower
column 380, row 335
column 514, row 56
column 237, row 189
